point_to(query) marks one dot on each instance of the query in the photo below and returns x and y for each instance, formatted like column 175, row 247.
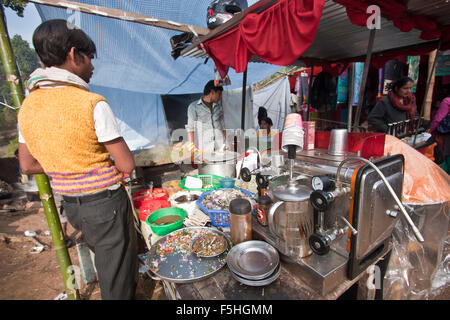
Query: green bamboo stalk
column 9, row 63
column 45, row 191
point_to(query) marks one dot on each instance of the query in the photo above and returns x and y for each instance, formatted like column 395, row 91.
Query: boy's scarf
column 407, row 105
column 54, row 77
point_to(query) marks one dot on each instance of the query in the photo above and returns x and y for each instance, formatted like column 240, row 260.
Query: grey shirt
column 384, row 113
column 207, row 125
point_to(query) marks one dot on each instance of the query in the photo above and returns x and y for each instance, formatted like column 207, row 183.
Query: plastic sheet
column 424, row 181
column 419, row 271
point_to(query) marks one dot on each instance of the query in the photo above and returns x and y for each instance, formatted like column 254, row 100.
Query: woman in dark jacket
column 398, row 105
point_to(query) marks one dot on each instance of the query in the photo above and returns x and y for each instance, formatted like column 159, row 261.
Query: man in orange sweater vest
column 71, row 134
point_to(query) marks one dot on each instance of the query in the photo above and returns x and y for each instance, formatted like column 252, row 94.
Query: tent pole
column 45, row 192
column 351, row 85
column 364, row 79
column 309, row 94
column 244, row 85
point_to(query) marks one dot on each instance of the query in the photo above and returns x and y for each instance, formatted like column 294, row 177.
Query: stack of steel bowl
column 254, row 263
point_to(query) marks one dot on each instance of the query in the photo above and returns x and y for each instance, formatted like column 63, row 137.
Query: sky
column 23, row 26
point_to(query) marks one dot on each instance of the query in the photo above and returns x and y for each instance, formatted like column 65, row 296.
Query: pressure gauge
column 322, row 183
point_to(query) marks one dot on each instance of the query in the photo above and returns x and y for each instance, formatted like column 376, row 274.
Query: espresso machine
column 333, row 211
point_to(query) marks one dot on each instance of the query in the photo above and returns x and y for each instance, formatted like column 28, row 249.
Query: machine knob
column 319, row 244
column 246, row 175
column 320, row 200
column 262, row 181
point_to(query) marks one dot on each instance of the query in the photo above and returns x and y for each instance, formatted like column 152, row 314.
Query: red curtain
column 396, row 11
column 278, row 35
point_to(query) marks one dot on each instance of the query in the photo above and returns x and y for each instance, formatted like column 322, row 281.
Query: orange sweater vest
column 58, row 127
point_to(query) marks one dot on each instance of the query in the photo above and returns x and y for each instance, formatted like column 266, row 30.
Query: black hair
column 211, row 86
column 53, row 40
column 268, row 120
column 397, row 84
column 262, row 113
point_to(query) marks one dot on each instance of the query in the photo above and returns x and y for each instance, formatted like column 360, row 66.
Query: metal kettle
column 291, row 218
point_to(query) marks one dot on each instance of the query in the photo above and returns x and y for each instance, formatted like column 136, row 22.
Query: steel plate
column 185, row 266
column 258, row 283
column 253, row 260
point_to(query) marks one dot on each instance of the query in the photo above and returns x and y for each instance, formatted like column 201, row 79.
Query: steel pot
column 220, row 164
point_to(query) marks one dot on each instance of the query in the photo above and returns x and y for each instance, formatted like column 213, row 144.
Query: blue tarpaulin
column 134, row 65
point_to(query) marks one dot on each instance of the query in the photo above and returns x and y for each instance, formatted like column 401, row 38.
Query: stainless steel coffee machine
column 333, row 212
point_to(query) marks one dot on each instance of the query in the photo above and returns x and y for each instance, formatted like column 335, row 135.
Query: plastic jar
column 240, row 220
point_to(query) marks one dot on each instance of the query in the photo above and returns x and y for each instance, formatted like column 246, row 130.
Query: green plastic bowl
column 167, row 228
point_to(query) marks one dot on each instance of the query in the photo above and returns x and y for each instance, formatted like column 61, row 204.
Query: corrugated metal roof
column 438, row 9
column 337, row 38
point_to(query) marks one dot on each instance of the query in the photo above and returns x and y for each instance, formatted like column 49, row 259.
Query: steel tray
column 185, row 267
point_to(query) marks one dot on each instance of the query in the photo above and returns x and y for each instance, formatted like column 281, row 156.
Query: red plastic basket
column 143, row 196
column 147, row 207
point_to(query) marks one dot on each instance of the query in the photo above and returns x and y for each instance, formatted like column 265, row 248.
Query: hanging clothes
column 323, row 92
column 413, row 70
column 301, row 87
column 358, row 75
column 342, row 88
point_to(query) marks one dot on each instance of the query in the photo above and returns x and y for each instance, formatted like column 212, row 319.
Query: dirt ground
column 37, row 276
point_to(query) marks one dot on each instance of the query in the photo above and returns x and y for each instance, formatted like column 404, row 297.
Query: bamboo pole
column 45, row 192
column 422, row 110
column 431, row 76
column 9, row 63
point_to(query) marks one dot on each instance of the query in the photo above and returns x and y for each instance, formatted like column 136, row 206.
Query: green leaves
column 17, row 5
column 27, row 62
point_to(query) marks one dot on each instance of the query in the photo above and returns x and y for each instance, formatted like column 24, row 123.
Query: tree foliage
column 17, row 5
column 27, row 62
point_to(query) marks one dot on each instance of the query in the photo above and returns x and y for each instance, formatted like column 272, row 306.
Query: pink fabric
column 443, row 111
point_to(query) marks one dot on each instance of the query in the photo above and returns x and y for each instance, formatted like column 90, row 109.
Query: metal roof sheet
column 337, row 38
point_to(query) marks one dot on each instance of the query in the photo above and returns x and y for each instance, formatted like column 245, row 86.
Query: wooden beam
column 123, row 15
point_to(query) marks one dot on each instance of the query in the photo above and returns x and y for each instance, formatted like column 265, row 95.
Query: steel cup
column 338, row 142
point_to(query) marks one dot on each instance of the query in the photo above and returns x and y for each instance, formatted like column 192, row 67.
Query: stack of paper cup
column 310, row 134
column 292, row 132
